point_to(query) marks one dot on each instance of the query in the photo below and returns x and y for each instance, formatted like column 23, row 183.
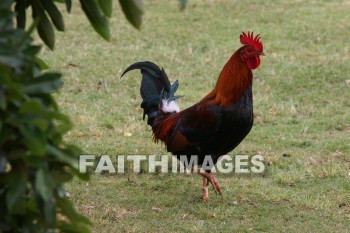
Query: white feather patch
column 171, row 106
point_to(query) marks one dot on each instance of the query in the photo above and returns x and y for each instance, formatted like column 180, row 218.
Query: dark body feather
column 211, row 129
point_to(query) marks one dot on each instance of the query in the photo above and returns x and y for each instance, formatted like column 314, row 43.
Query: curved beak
column 261, row 54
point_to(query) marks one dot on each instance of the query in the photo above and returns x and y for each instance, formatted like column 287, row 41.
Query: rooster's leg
column 205, row 193
column 210, row 177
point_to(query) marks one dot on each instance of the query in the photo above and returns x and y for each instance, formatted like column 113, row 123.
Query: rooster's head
column 251, row 50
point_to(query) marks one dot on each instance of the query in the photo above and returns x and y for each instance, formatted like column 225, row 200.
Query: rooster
column 215, row 125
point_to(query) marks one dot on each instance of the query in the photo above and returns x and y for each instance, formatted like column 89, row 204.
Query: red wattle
column 253, row 62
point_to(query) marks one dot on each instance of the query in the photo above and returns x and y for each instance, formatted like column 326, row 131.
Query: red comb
column 251, row 40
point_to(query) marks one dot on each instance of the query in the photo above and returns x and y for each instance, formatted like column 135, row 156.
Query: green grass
column 301, row 100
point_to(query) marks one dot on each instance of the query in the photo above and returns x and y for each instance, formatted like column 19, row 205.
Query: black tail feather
column 155, row 86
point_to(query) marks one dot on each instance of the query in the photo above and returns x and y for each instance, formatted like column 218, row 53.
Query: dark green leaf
column 69, row 5
column 44, row 27
column 3, row 102
column 48, row 100
column 34, row 161
column 50, row 214
column 5, row 3
column 32, row 207
column 18, row 207
column 73, row 149
column 98, row 21
column 33, row 50
column 36, row 120
column 54, row 14
column 43, row 84
column 133, row 10
column 17, row 153
column 40, row 123
column 17, row 187
column 61, row 156
column 106, row 7
column 61, row 176
column 32, row 106
column 10, row 56
column 20, row 8
column 34, row 139
column 42, row 65
column 5, row 132
column 3, row 163
column 77, row 173
column 43, row 184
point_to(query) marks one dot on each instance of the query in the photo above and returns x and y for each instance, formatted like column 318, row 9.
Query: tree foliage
column 34, row 159
column 35, row 162
column 98, row 13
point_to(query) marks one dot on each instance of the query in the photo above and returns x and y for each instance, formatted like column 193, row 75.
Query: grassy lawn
column 301, row 100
